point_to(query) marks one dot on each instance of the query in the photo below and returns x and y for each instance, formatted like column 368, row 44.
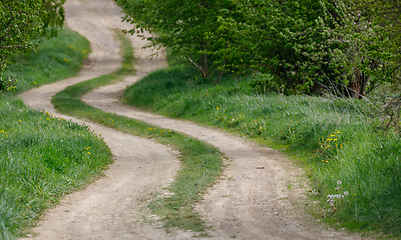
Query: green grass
column 55, row 59
column 332, row 139
column 201, row 163
column 43, row 158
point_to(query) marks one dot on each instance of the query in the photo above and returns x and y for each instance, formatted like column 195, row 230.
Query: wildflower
column 338, row 196
column 335, row 139
column 89, row 153
column 354, row 194
column 346, row 193
column 338, row 182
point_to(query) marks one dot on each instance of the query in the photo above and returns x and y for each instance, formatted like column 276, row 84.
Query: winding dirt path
column 251, row 201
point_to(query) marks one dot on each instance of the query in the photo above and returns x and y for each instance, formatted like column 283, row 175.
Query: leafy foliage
column 21, row 23
column 309, row 46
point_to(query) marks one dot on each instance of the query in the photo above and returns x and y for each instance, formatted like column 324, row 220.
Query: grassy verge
column 201, row 163
column 354, row 168
column 55, row 59
column 43, row 158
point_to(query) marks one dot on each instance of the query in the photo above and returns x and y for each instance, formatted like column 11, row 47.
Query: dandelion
column 47, row 118
column 338, row 182
column 89, row 153
column 354, row 194
column 345, row 193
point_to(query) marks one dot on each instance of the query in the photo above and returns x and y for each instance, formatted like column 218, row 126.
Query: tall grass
column 43, row 158
column 335, row 139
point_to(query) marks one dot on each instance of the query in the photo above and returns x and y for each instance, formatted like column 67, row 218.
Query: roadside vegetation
column 355, row 168
column 42, row 158
column 201, row 163
column 23, row 26
column 320, row 79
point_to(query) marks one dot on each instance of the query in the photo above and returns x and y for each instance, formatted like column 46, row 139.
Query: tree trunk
column 220, row 74
column 358, row 85
column 204, row 60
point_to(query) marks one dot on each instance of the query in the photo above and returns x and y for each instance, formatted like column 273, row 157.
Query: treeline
column 345, row 47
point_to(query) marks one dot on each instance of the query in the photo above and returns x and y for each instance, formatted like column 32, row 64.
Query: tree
column 22, row 23
column 179, row 25
column 306, row 44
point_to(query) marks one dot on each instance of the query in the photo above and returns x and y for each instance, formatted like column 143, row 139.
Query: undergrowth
column 336, row 139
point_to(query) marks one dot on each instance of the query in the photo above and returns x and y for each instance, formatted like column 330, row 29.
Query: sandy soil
column 251, row 201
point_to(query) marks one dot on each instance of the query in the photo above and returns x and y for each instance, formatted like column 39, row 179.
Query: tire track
column 250, row 202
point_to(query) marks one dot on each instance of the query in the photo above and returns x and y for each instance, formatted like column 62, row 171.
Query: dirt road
column 252, row 201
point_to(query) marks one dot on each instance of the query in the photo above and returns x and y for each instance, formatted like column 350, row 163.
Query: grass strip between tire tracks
column 201, row 163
